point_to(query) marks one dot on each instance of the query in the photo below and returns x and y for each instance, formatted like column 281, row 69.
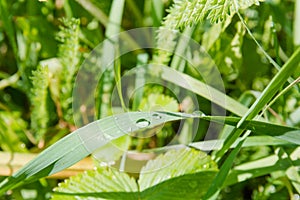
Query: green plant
column 255, row 151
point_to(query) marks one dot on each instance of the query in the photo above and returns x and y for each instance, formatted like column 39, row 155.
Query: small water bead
column 198, row 113
column 142, row 123
column 156, row 116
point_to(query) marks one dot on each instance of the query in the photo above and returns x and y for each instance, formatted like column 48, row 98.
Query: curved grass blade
column 251, row 141
column 257, row 127
column 84, row 141
column 260, row 167
column 204, row 90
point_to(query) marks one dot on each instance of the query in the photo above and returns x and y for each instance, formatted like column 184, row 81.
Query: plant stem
column 9, row 81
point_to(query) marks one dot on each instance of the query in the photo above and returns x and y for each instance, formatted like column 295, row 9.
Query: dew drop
column 129, row 129
column 198, row 113
column 156, row 116
column 142, row 123
column 116, row 118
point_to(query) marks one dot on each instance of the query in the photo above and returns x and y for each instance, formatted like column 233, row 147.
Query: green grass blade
column 279, row 79
column 110, row 53
column 203, row 90
column 275, row 84
column 61, row 155
column 218, row 181
column 290, row 80
column 181, row 48
column 292, row 136
column 84, row 141
column 258, row 127
column 142, row 60
column 258, row 168
column 252, row 141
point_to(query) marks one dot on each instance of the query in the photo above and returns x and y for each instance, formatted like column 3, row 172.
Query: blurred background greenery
column 43, row 44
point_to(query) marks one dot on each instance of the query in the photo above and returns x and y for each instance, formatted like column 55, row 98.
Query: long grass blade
column 203, row 90
column 260, row 167
column 79, row 144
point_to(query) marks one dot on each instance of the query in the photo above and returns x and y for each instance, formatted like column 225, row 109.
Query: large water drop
column 142, row 123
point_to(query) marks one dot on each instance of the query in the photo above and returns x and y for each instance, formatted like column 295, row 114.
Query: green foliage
column 160, row 179
column 102, row 183
column 188, row 13
column 42, row 105
column 69, row 56
column 12, row 133
column 185, row 13
column 78, row 145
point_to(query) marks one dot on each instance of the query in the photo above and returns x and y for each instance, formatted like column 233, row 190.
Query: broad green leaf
column 192, row 172
column 178, row 174
column 102, row 183
column 172, row 164
column 83, row 142
column 188, row 186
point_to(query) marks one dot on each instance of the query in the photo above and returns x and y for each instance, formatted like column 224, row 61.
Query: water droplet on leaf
column 142, row 123
column 156, row 116
column 198, row 113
